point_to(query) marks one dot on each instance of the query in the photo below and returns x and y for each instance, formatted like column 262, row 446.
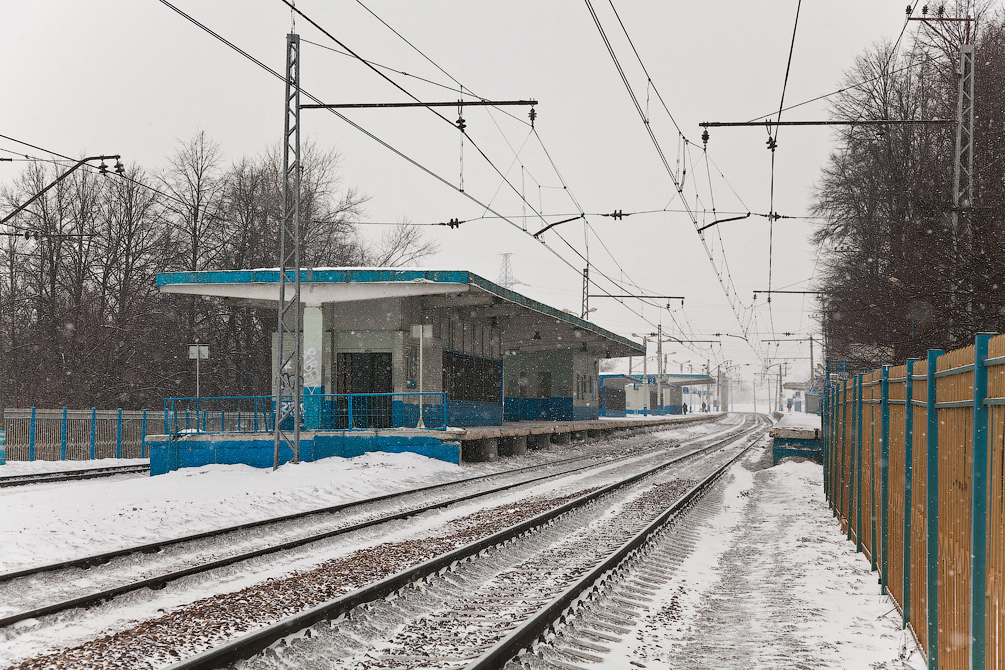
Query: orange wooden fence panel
column 919, row 503
column 995, row 588
column 896, row 482
column 955, row 471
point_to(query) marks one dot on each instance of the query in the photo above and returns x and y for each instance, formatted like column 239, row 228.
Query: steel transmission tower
column 288, row 378
column 963, row 173
column 506, row 278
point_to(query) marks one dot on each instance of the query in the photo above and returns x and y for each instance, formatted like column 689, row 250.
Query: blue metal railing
column 68, row 434
column 343, row 411
column 226, row 414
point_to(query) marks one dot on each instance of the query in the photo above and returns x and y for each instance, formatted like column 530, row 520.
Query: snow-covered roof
column 333, row 285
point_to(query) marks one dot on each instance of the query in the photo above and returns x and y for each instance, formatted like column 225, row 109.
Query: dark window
column 471, row 377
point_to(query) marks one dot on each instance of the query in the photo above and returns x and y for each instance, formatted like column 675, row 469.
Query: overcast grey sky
column 133, row 77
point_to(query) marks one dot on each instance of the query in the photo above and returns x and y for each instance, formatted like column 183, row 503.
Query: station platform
column 454, row 445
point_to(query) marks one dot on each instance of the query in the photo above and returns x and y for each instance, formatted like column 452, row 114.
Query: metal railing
column 226, row 414
column 65, row 434
column 342, row 411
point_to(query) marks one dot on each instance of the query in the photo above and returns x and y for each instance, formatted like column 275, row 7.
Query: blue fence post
column 350, row 411
column 859, row 530
column 118, row 436
column 842, row 482
column 932, row 511
column 884, row 441
column 94, row 432
column 143, row 436
column 979, row 507
column 908, row 485
column 62, row 438
column 31, row 436
column 444, row 406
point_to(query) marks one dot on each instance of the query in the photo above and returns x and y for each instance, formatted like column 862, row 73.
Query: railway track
column 72, row 475
column 90, row 580
column 502, row 590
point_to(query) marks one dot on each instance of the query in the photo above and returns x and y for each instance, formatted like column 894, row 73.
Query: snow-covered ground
column 15, row 468
column 46, row 523
column 771, row 583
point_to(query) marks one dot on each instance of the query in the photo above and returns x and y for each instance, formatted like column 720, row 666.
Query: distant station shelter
column 488, row 354
column 640, row 394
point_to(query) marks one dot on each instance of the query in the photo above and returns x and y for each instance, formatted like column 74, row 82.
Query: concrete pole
column 813, row 369
column 659, row 367
column 645, row 373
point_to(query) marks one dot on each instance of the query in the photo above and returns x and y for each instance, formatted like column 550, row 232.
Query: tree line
column 899, row 273
column 82, row 322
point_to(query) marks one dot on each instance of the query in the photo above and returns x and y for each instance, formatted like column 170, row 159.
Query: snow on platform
column 797, row 426
column 771, row 583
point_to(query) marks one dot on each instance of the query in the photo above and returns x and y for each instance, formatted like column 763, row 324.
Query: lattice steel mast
column 288, row 382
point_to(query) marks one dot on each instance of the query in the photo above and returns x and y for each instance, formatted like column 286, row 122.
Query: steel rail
column 152, row 547
column 159, row 581
column 71, row 475
column 538, row 625
column 251, row 643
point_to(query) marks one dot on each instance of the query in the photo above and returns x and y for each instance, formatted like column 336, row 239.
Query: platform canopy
column 527, row 325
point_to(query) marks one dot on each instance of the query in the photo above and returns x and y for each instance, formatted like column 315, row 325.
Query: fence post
column 873, row 548
column 118, row 436
column 350, row 411
column 31, row 436
column 884, row 445
column 143, row 436
column 908, row 484
column 858, row 463
column 94, row 435
column 932, row 512
column 979, row 507
column 844, row 426
column 62, row 438
column 444, row 405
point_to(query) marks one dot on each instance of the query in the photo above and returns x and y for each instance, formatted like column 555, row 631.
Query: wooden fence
column 62, row 434
column 915, row 469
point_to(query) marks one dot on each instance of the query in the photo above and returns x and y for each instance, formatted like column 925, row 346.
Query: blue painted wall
column 256, row 449
column 580, row 413
column 472, row 413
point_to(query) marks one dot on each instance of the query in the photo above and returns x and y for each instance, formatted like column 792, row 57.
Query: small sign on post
column 199, row 352
column 421, row 332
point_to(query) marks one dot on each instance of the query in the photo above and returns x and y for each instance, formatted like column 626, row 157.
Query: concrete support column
column 595, row 433
column 313, row 366
column 561, row 438
column 475, row 451
column 515, row 445
column 540, row 441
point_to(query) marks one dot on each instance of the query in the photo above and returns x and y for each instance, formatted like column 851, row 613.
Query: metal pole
column 659, row 366
column 645, row 375
column 421, row 333
column 289, row 363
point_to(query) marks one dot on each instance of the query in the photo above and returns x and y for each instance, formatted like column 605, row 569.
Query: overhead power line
column 363, row 130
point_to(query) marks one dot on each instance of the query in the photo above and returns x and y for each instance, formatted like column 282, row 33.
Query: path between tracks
column 771, row 584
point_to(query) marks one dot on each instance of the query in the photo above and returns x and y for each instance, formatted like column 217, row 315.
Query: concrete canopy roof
column 526, row 324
